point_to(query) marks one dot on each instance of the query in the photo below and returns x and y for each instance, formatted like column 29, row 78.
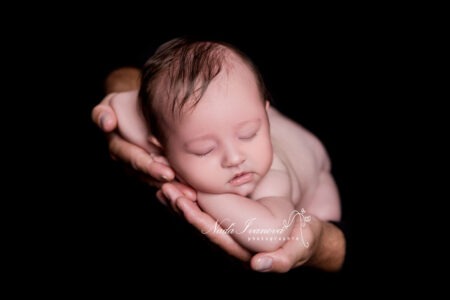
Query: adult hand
column 146, row 162
column 127, row 142
column 117, row 116
column 315, row 243
column 318, row 244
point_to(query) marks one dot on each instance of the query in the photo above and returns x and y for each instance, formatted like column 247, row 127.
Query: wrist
column 329, row 253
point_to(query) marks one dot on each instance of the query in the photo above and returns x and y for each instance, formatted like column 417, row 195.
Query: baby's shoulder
column 296, row 145
column 278, row 163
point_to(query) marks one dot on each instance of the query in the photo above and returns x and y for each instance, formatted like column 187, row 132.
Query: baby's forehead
column 233, row 68
column 235, row 61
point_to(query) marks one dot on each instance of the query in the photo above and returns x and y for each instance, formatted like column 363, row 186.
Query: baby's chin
column 244, row 190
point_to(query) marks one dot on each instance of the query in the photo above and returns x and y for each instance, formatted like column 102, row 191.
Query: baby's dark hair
column 179, row 73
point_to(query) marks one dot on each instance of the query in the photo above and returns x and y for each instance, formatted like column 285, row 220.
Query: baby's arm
column 259, row 225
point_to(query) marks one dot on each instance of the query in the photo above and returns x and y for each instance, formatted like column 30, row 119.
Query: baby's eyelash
column 203, row 154
column 249, row 137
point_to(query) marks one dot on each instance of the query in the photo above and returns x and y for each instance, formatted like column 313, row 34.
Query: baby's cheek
column 194, row 173
column 266, row 156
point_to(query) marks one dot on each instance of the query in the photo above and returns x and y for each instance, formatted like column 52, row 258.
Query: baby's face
column 223, row 145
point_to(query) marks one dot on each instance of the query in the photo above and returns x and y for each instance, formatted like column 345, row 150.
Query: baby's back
column 307, row 163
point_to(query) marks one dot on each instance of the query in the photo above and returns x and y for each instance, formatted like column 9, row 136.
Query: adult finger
column 138, row 158
column 173, row 195
column 187, row 191
column 123, row 79
column 103, row 115
column 206, row 225
column 290, row 255
column 161, row 197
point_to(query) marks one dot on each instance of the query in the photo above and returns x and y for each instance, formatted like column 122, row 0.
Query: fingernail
column 103, row 120
column 166, row 177
column 264, row 264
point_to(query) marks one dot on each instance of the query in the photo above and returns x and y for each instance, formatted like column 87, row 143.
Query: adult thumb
column 105, row 118
column 277, row 261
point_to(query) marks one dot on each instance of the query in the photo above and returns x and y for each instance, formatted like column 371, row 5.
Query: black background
column 339, row 80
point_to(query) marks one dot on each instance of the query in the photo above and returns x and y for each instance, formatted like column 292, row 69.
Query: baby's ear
column 267, row 104
column 154, row 142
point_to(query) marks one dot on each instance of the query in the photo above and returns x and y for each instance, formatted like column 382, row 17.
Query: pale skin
column 222, row 148
column 317, row 192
